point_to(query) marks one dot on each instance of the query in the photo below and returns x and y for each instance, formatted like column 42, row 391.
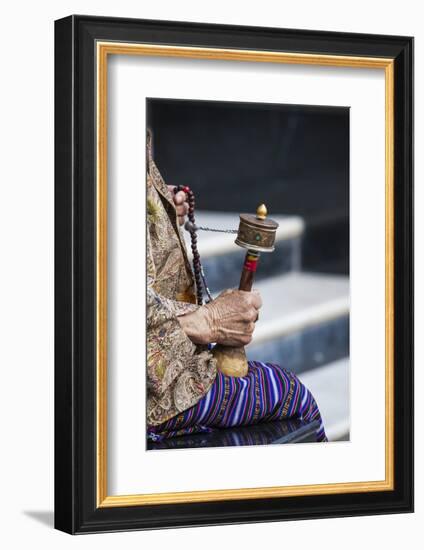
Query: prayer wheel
column 256, row 233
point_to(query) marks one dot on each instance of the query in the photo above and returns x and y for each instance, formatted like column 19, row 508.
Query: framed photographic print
column 234, row 269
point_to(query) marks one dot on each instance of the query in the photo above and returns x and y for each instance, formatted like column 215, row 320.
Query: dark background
column 234, row 156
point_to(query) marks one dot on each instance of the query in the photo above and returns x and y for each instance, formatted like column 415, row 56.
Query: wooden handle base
column 231, row 361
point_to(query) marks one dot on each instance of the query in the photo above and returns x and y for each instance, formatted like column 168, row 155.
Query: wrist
column 196, row 326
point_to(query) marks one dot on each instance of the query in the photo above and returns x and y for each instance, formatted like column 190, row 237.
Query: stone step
column 307, row 348
column 294, row 301
column 222, row 259
column 330, row 387
column 304, row 321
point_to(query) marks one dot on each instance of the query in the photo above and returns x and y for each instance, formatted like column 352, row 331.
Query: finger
column 246, row 339
column 180, row 197
column 181, row 220
column 250, row 328
column 181, row 210
column 256, row 299
column 251, row 314
column 171, row 189
column 236, row 337
column 227, row 291
column 251, row 299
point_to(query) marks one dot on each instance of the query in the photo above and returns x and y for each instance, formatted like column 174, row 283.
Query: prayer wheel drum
column 257, row 232
column 257, row 235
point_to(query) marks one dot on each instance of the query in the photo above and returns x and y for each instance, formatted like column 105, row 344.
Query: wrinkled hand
column 228, row 320
column 232, row 316
column 181, row 204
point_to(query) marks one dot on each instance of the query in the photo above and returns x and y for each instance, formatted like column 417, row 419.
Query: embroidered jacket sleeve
column 167, row 342
column 178, row 372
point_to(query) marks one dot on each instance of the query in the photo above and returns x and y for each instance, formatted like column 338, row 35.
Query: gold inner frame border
column 103, row 50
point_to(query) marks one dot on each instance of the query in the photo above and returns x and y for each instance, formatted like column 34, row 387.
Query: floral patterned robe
column 179, row 373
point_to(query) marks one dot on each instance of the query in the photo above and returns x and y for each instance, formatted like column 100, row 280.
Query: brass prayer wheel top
column 257, row 233
column 261, row 212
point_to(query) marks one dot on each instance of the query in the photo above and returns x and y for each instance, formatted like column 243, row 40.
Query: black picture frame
column 76, row 507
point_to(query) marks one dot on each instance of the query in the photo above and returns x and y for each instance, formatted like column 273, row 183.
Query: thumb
column 226, row 292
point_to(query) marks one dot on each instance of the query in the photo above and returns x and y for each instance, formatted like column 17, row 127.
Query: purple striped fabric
column 268, row 392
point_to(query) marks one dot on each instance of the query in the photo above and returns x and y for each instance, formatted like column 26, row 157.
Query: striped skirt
column 268, row 392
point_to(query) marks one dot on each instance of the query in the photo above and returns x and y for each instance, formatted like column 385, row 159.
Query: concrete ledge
column 330, row 385
column 294, row 301
column 309, row 348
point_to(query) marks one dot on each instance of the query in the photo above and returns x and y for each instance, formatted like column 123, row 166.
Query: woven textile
column 268, row 392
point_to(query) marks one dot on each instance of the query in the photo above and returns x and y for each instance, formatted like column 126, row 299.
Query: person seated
column 185, row 391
